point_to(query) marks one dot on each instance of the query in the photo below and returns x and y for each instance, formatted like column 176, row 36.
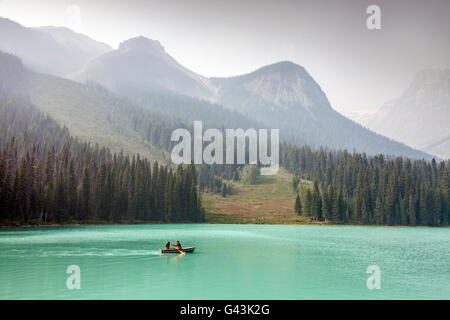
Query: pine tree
column 308, row 203
column 85, row 195
column 437, row 209
column 295, row 182
column 224, row 190
column 72, row 192
column 60, row 199
column 298, row 205
column 326, row 204
column 316, row 203
column 412, row 211
column 379, row 210
column 337, row 209
column 49, row 186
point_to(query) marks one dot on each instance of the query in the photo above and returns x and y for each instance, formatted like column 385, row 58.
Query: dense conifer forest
column 46, row 176
column 354, row 188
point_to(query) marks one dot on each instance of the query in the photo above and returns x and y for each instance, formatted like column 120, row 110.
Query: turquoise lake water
column 230, row 262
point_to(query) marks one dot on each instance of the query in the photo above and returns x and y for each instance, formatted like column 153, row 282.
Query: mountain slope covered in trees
column 353, row 188
column 339, row 188
column 141, row 125
column 282, row 95
column 46, row 176
column 90, row 112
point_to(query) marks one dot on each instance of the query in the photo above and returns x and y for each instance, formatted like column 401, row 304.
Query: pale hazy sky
column 359, row 69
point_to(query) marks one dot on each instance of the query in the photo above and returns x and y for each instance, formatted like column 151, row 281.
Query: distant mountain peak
column 433, row 82
column 51, row 27
column 52, row 50
column 76, row 40
column 420, row 116
column 141, row 62
column 141, row 43
column 281, row 85
column 289, row 71
column 9, row 21
column 11, row 72
column 283, row 66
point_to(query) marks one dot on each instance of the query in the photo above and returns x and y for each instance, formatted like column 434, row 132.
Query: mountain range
column 53, row 50
column 420, row 117
column 282, row 95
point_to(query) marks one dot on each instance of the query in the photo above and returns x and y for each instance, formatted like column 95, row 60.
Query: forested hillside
column 338, row 187
column 354, row 188
column 106, row 173
column 46, row 176
column 188, row 109
column 94, row 114
column 281, row 95
column 284, row 95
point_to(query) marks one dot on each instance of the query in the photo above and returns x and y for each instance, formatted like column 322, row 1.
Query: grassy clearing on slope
column 89, row 116
column 271, row 200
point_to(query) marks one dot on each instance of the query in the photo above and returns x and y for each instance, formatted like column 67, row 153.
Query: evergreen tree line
column 162, row 115
column 153, row 128
column 354, row 188
column 210, row 178
column 46, row 176
column 167, row 104
column 158, row 119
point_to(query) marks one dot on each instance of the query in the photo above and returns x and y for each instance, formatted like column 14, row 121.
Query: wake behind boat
column 173, row 250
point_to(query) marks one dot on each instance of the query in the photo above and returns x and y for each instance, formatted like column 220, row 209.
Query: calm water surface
column 230, row 262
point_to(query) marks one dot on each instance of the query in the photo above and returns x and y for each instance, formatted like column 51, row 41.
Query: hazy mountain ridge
column 283, row 85
column 86, row 46
column 168, row 105
column 43, row 49
column 11, row 72
column 92, row 113
column 141, row 63
column 282, row 95
column 420, row 117
column 89, row 114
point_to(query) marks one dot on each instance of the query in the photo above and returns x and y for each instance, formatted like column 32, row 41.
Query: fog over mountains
column 420, row 117
column 143, row 63
column 282, row 95
column 52, row 50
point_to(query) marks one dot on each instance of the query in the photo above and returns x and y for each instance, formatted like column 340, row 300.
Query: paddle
column 178, row 249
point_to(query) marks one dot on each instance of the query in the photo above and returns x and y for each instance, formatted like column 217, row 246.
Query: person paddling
column 168, row 245
column 178, row 245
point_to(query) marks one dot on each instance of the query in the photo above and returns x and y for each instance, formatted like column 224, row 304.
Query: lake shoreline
column 103, row 223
